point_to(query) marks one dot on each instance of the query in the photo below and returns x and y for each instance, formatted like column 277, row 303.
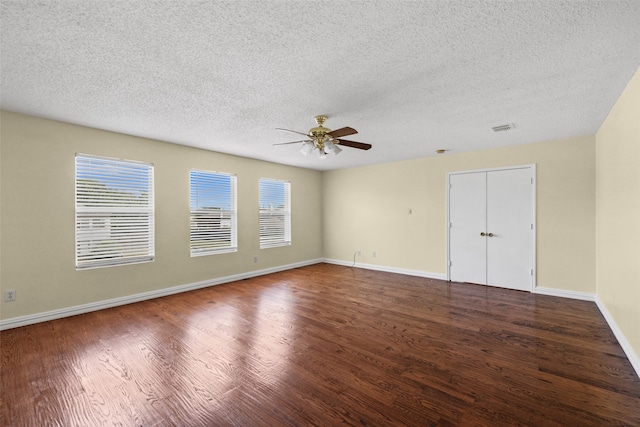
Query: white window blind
column 114, row 212
column 214, row 226
column 275, row 213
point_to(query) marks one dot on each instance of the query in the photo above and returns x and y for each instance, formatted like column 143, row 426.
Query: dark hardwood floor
column 323, row 345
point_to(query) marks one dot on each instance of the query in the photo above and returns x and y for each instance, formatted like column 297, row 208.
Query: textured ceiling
column 411, row 77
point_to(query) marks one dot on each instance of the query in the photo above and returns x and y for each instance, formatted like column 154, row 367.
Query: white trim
column 534, row 219
column 448, row 228
column 562, row 293
column 634, row 359
column 534, row 242
column 418, row 273
column 100, row 305
column 585, row 296
column 30, row 319
column 502, row 168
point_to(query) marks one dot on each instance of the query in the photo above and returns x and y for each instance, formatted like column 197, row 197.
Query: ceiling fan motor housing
column 319, row 133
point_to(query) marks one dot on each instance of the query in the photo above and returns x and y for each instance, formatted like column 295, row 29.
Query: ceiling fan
column 324, row 140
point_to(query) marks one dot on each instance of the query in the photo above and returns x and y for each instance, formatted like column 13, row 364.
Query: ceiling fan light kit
column 324, row 141
column 307, row 147
column 330, row 147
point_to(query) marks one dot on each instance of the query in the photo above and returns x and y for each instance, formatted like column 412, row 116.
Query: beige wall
column 37, row 216
column 367, row 208
column 618, row 213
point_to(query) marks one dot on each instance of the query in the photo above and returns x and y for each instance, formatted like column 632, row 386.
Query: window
column 275, row 213
column 213, row 213
column 114, row 212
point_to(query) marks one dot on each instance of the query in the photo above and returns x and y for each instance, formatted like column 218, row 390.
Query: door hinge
column 450, row 263
column 532, row 271
column 532, row 226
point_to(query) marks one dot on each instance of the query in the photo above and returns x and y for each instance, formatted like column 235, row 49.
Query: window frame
column 271, row 239
column 232, row 213
column 126, row 231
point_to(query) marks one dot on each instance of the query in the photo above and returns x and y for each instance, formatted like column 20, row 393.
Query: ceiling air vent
column 503, row 128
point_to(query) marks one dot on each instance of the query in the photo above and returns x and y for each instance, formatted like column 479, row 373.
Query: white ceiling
column 410, row 76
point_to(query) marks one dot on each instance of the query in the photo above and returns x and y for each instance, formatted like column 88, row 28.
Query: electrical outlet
column 358, row 252
column 255, row 259
column 10, row 295
column 373, row 254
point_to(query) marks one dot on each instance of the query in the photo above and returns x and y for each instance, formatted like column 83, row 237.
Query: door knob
column 483, row 234
column 490, row 234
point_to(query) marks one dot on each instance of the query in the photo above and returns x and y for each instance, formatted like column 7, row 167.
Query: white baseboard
column 622, row 340
column 100, row 305
column 585, row 296
column 419, row 273
column 626, row 346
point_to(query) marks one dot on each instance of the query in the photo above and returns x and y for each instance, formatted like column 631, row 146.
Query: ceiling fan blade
column 342, row 132
column 294, row 131
column 294, row 142
column 359, row 145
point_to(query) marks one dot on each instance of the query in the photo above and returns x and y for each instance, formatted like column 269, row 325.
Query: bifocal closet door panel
column 467, row 217
column 510, row 229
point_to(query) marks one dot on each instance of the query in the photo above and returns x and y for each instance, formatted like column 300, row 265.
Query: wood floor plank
column 323, row 345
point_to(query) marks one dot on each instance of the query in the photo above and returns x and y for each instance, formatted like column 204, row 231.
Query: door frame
column 532, row 167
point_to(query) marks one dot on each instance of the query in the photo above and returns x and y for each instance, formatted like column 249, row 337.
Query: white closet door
column 510, row 229
column 467, row 217
column 491, row 230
